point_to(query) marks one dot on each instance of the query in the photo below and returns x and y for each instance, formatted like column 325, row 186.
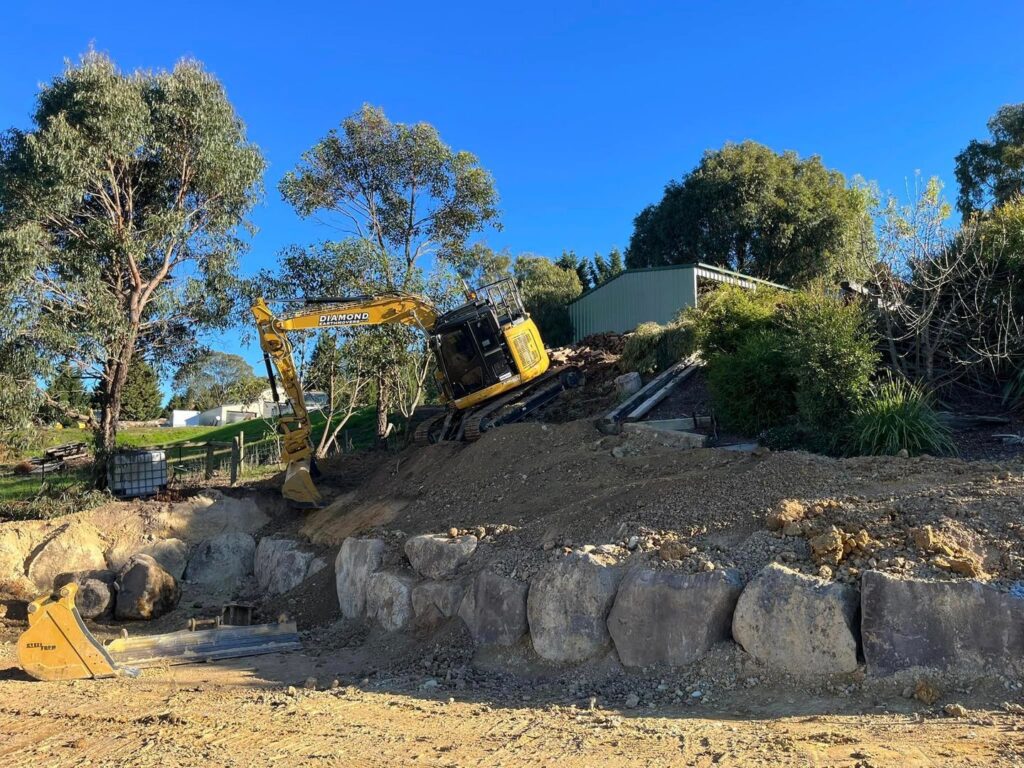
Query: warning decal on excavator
column 346, row 319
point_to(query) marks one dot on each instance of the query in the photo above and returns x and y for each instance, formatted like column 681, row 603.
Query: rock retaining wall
column 584, row 606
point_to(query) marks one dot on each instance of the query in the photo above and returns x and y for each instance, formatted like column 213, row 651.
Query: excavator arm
column 297, row 450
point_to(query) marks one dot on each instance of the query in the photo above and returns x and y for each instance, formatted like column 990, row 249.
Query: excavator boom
column 487, row 351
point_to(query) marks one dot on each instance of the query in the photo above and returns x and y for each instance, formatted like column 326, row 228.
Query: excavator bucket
column 298, row 485
column 57, row 645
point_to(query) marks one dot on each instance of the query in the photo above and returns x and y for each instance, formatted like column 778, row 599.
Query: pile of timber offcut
column 598, row 357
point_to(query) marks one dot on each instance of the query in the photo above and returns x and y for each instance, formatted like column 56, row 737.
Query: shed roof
column 704, row 270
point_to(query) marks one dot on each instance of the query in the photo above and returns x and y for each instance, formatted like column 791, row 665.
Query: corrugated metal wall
column 620, row 305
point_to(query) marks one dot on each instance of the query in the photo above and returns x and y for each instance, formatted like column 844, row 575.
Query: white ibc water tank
column 137, row 473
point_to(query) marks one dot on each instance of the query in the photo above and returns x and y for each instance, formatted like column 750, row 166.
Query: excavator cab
column 476, row 345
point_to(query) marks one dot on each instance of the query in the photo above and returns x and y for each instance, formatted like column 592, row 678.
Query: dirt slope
column 534, row 487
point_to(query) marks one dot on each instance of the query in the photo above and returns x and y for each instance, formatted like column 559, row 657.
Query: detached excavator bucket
column 58, row 646
column 298, row 485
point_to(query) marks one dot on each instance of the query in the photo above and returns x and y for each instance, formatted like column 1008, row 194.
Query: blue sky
column 582, row 111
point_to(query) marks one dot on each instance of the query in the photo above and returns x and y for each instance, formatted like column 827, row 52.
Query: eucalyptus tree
column 408, row 203
column 121, row 215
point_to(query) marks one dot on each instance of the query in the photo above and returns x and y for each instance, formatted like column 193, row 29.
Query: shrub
column 898, row 415
column 753, row 388
column 775, row 359
column 652, row 347
column 833, row 349
column 728, row 315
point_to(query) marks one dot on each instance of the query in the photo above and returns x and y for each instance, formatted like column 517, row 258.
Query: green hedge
column 797, row 362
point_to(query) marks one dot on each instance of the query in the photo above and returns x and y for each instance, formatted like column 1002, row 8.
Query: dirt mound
column 536, row 487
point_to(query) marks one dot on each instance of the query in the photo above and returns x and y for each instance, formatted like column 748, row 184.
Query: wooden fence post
column 236, row 454
column 209, row 461
column 241, row 451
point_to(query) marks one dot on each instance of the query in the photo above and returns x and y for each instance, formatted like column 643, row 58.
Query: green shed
column 654, row 295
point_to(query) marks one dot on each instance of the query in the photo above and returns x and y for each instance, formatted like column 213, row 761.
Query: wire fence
column 189, row 465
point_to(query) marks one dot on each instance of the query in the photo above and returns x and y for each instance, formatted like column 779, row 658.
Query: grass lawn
column 360, row 427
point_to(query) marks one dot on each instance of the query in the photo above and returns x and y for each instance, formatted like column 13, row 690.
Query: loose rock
column 435, row 601
column 280, row 565
column 76, row 546
column 915, row 623
column 494, row 609
column 145, row 590
column 96, row 594
column 221, row 562
column 389, row 599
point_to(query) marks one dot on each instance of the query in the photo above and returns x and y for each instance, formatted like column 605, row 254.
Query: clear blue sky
column 582, row 111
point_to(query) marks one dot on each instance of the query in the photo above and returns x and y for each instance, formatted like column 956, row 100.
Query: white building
column 263, row 407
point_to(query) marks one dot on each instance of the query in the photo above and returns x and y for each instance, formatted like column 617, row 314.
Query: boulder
column 96, row 593
column 435, row 601
column 438, row 556
column 76, row 546
column 667, row 617
column 798, row 624
column 389, row 599
column 281, row 565
column 628, row 384
column 172, row 554
column 219, row 563
column 964, row 625
column 567, row 607
column 144, row 589
column 494, row 609
column 357, row 560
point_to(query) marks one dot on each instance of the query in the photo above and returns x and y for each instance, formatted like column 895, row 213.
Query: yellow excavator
column 492, row 368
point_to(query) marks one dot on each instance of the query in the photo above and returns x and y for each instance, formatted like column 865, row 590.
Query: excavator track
column 423, row 432
column 519, row 404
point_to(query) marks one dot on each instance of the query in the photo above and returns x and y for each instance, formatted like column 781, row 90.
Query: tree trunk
column 115, row 375
column 383, row 405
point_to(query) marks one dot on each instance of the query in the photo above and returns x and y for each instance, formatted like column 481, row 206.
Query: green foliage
column 796, row 364
column 898, row 416
column 754, row 388
column 569, row 260
column 119, row 216
column 66, row 399
column 403, row 196
column 728, row 315
column 604, row 269
column 652, row 347
column 19, row 397
column 991, row 172
column 774, row 216
column 141, row 398
column 547, row 290
column 67, row 389
column 832, row 348
column 398, row 185
column 212, row 379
